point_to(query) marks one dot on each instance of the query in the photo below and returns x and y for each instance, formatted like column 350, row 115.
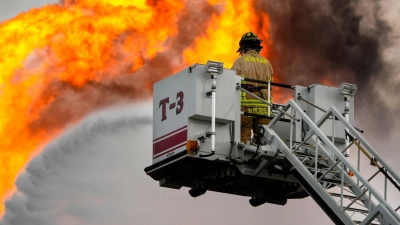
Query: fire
column 53, row 57
column 220, row 42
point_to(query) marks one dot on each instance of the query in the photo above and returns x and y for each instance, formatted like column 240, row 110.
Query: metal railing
column 363, row 193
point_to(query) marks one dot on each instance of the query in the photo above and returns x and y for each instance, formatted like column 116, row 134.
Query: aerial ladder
column 304, row 150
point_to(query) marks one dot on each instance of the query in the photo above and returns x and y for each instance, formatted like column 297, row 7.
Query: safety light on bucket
column 214, row 67
column 192, row 146
column 347, row 89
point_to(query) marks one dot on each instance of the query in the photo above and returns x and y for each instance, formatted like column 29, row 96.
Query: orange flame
column 81, row 43
column 220, row 42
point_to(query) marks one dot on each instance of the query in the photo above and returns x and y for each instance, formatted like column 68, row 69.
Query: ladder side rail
column 337, row 153
column 388, row 219
column 342, row 157
column 353, row 185
column 371, row 216
column 359, row 137
column 306, row 174
column 276, row 118
column 335, row 112
column 356, row 189
column 323, row 151
column 388, row 169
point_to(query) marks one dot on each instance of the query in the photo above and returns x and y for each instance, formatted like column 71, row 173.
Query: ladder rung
column 358, row 222
column 346, row 196
column 337, row 182
column 358, row 210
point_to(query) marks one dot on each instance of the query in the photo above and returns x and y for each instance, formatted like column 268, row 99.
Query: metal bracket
column 203, row 137
column 191, row 67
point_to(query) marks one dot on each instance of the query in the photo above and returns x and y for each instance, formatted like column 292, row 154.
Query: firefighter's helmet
column 248, row 41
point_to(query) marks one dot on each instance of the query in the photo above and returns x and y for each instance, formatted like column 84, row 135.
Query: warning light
column 192, row 146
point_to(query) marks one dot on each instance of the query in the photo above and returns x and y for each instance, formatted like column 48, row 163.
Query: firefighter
column 251, row 64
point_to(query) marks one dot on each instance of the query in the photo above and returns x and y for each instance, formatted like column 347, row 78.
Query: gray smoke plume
column 315, row 40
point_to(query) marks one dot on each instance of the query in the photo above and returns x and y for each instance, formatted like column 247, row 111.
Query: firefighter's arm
column 237, row 66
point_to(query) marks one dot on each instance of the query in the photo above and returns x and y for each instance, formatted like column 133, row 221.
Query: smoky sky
column 331, row 40
column 313, row 40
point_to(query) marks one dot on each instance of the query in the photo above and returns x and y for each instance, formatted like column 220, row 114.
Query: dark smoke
column 312, row 40
column 335, row 40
